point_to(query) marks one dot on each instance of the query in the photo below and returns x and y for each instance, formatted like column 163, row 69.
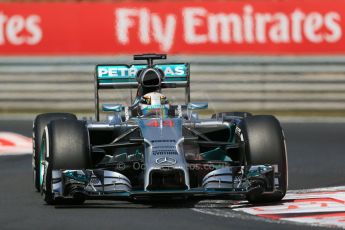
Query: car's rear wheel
column 65, row 145
column 265, row 144
column 39, row 124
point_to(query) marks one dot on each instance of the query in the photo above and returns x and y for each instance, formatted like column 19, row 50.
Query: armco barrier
column 285, row 84
column 48, row 52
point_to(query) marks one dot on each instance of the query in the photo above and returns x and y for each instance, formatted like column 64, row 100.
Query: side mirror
column 197, row 105
column 112, row 107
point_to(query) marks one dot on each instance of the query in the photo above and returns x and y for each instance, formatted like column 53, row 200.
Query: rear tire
column 66, row 146
column 38, row 128
column 265, row 144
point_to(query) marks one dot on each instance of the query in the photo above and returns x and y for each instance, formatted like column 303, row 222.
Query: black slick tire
column 265, row 144
column 39, row 124
column 66, row 146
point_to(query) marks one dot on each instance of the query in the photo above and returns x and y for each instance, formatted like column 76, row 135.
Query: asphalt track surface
column 316, row 159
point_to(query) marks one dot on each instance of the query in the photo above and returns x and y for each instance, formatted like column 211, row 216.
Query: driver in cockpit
column 154, row 104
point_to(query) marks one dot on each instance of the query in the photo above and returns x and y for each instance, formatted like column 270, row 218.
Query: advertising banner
column 261, row 27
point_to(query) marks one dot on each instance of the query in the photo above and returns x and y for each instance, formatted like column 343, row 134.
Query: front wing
column 234, row 182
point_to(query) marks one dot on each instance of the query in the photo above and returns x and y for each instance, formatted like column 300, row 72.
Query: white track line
column 324, row 207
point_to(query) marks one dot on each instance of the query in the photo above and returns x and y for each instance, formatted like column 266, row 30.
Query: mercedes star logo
column 165, row 161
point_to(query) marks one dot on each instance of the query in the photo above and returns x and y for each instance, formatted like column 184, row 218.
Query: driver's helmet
column 154, row 105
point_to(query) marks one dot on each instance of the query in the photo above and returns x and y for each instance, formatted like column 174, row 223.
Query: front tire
column 39, row 124
column 66, row 146
column 265, row 144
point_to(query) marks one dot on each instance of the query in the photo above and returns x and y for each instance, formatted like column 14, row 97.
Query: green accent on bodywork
column 216, row 154
column 121, row 157
column 112, row 107
column 128, row 154
column 125, row 73
column 118, row 72
column 122, row 80
column 197, row 105
column 258, row 171
column 174, row 70
column 41, row 166
column 77, row 176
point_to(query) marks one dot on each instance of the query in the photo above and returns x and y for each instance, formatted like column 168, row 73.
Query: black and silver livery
column 155, row 149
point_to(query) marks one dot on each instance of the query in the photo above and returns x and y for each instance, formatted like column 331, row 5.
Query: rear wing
column 124, row 76
column 121, row 76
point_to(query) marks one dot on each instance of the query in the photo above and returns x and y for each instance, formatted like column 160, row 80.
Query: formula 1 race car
column 153, row 149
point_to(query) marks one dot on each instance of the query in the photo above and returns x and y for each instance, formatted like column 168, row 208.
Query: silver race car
column 153, row 149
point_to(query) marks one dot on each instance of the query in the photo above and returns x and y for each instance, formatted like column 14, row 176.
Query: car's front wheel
column 265, row 144
column 65, row 145
column 40, row 122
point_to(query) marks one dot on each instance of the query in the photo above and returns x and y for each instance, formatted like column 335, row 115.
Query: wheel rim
column 42, row 152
